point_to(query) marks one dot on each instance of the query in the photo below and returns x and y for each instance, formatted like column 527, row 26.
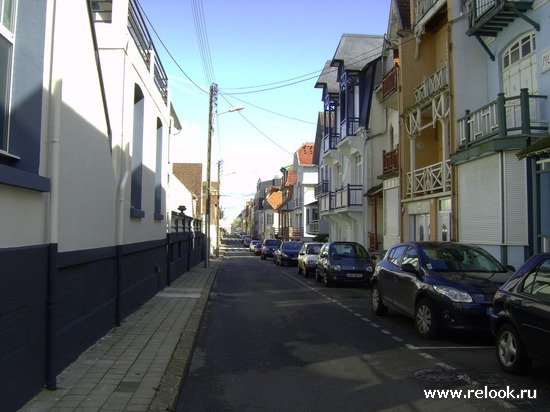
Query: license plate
column 354, row 275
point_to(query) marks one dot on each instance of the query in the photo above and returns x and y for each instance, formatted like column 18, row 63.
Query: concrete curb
column 167, row 394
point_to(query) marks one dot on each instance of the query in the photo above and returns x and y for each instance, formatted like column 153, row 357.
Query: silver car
column 307, row 258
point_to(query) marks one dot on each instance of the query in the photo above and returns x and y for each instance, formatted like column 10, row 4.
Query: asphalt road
column 272, row 340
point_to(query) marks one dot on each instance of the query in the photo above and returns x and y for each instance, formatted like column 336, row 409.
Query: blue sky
column 252, row 43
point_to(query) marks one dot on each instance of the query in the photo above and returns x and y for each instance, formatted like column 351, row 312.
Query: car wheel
column 327, row 283
column 317, row 276
column 377, row 305
column 299, row 269
column 511, row 355
column 424, row 319
column 262, row 257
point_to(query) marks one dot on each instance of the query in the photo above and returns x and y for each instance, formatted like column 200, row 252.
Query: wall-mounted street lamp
column 212, row 112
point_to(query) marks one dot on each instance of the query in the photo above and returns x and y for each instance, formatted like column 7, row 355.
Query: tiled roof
column 305, row 154
column 357, row 50
column 328, row 79
column 291, row 177
column 275, row 199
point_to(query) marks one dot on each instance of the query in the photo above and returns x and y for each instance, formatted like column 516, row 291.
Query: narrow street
column 274, row 340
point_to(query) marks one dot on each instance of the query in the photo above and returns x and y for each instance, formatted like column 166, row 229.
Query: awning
column 536, row 149
column 374, row 190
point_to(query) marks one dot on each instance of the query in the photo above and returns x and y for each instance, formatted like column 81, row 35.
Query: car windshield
column 313, row 249
column 349, row 250
column 459, row 258
column 272, row 242
column 292, row 246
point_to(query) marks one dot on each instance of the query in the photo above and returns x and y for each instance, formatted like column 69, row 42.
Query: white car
column 253, row 244
column 307, row 258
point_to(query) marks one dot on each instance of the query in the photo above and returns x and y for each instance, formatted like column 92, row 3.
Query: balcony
column 424, row 10
column 348, row 196
column 138, row 30
column 313, row 227
column 489, row 17
column 330, row 140
column 297, row 231
column 431, row 85
column 326, row 200
column 390, row 161
column 429, row 180
column 499, row 122
column 389, row 82
column 321, row 188
column 348, row 127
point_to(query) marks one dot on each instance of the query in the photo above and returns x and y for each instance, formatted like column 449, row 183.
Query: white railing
column 435, row 178
column 431, row 84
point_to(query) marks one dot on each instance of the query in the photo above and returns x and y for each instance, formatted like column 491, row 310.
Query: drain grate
column 439, row 375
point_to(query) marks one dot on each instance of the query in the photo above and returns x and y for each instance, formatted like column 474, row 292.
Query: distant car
column 258, row 249
column 287, row 254
column 520, row 319
column 269, row 246
column 344, row 262
column 307, row 258
column 246, row 241
column 253, row 244
column 439, row 284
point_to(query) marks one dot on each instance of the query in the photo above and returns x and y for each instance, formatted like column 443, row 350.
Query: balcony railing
column 138, row 30
column 313, row 227
column 503, row 117
column 431, row 84
column 421, row 8
column 330, row 140
column 348, row 127
column 348, row 196
column 321, row 188
column 490, row 17
column 428, row 180
column 390, row 160
column 326, row 200
column 389, row 82
column 298, row 231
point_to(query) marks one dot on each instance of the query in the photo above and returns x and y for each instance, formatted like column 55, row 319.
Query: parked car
column 307, row 258
column 253, row 244
column 258, row 249
column 287, row 253
column 269, row 246
column 520, row 319
column 347, row 262
column 246, row 241
column 438, row 284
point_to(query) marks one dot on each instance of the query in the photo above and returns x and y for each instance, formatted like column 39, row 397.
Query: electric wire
column 202, row 39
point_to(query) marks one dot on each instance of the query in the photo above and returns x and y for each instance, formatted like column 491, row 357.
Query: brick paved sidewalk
column 140, row 365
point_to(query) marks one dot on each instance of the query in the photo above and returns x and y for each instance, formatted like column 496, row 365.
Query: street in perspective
column 273, row 339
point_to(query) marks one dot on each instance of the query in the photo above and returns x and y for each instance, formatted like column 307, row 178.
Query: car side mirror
column 510, row 268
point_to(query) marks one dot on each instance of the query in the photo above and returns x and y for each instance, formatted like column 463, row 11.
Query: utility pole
column 212, row 109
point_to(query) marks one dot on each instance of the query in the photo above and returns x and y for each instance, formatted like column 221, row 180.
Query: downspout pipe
column 53, row 141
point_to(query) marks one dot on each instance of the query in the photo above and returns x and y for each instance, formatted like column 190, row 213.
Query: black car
column 344, row 262
column 439, row 284
column 269, row 246
column 521, row 316
column 287, row 253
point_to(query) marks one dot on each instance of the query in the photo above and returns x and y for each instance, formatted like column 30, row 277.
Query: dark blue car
column 521, row 316
column 287, row 254
column 441, row 285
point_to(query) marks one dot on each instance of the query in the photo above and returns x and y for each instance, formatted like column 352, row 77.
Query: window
column 537, row 283
column 519, row 50
column 410, row 257
column 137, row 155
column 358, row 170
column 394, row 255
column 158, row 173
column 7, row 30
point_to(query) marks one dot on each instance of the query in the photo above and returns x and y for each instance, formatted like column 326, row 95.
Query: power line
column 202, row 39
